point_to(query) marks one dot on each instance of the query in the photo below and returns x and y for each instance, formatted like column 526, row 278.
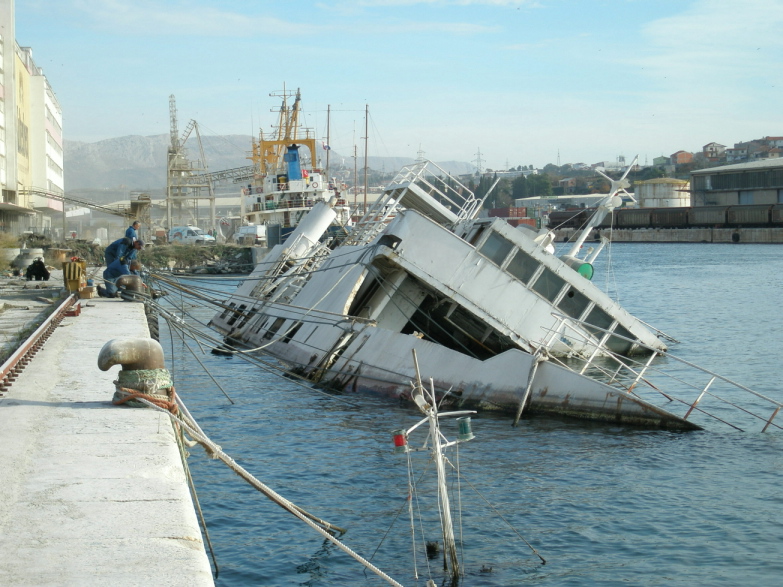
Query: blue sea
column 602, row 504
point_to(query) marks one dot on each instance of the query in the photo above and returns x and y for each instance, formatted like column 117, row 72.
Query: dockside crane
column 186, row 180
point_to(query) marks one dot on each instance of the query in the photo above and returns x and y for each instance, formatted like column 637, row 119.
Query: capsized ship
column 491, row 312
column 288, row 180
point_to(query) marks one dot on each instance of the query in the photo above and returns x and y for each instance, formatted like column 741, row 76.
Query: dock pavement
column 91, row 493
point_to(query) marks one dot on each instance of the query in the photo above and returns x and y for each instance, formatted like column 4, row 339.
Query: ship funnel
column 291, row 157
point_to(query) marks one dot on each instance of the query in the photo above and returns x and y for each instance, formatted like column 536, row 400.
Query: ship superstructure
column 289, row 179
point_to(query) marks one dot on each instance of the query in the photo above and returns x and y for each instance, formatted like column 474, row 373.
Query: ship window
column 274, row 328
column 573, row 303
column 522, row 266
column 227, row 309
column 247, row 317
column 237, row 313
column 292, row 332
column 260, row 322
column 619, row 345
column 496, row 248
column 476, row 231
column 597, row 317
column 548, row 284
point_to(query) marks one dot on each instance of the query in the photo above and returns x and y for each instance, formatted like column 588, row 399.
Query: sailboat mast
column 355, row 177
column 366, row 140
column 328, row 143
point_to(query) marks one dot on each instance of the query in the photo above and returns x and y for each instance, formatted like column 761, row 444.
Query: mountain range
column 111, row 168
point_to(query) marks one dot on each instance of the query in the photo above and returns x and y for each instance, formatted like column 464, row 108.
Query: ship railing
column 422, row 186
column 646, row 376
column 284, row 204
column 440, row 185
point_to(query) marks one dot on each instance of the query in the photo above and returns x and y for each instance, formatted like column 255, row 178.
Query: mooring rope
column 216, row 452
column 164, row 401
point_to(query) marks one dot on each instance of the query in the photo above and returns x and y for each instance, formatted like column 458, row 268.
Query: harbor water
column 604, row 505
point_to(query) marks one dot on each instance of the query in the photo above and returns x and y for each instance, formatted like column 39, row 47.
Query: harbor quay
column 92, row 493
column 682, row 235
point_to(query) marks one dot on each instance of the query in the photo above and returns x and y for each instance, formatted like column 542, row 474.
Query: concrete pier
column 91, row 493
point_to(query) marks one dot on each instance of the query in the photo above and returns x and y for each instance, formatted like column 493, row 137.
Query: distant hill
column 138, row 163
column 114, row 167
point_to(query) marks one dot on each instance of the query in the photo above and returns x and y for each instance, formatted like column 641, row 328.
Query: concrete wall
column 687, row 235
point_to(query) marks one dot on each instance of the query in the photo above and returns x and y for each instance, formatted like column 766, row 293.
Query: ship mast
column 609, row 203
column 267, row 154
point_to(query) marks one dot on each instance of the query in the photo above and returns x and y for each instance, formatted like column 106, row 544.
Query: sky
column 522, row 82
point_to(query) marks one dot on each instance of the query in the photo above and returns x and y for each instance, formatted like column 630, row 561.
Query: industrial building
column 752, row 183
column 663, row 192
column 31, row 137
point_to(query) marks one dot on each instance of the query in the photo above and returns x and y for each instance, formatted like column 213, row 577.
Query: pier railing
column 686, row 387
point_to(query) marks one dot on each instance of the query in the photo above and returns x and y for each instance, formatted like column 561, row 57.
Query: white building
column 31, row 139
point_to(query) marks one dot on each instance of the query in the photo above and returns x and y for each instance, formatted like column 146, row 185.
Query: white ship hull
column 486, row 331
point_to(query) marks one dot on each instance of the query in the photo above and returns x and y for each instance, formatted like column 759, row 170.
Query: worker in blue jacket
column 124, row 249
column 113, row 272
column 133, row 231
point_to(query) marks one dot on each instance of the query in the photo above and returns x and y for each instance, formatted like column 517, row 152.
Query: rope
column 216, row 452
column 167, row 402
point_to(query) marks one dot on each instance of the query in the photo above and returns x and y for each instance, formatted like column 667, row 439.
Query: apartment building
column 31, row 138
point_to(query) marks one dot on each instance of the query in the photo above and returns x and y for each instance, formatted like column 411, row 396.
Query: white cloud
column 715, row 44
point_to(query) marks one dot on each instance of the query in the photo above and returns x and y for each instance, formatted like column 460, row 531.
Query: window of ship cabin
column 291, row 332
column 597, row 317
column 260, row 321
column 274, row 328
column 620, row 345
column 227, row 309
column 496, row 248
column 522, row 266
column 475, row 233
column 573, row 303
column 247, row 317
column 548, row 284
column 237, row 314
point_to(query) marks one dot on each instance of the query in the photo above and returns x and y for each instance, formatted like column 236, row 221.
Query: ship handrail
column 639, row 375
column 416, row 181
